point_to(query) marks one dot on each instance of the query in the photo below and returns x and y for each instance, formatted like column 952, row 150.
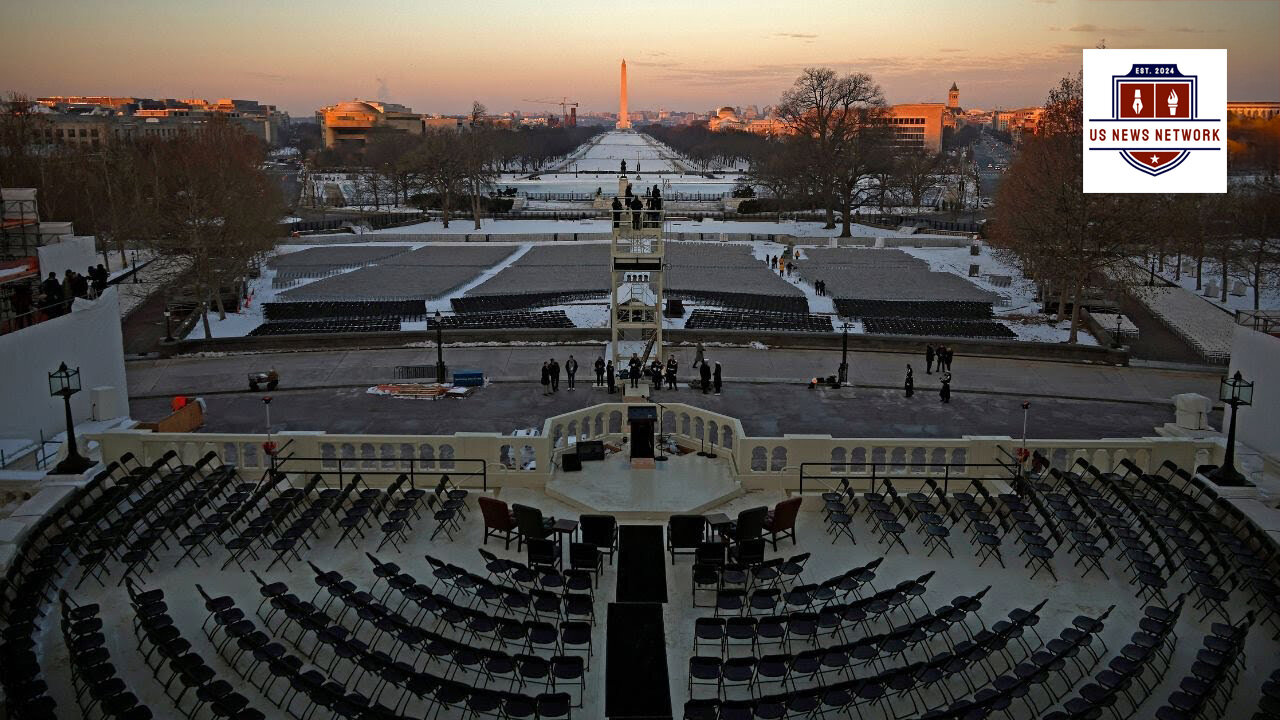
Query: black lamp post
column 168, row 325
column 842, row 375
column 1115, row 340
column 66, row 382
column 440, row 369
column 1236, row 392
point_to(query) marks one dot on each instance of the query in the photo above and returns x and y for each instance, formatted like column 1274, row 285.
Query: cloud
column 1044, row 2
column 654, row 63
column 951, row 50
column 794, row 35
column 269, row 77
column 1187, row 29
column 1091, row 28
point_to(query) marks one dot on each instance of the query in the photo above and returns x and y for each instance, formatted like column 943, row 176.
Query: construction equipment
column 565, row 104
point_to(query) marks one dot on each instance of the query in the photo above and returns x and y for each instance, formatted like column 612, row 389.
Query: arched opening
column 779, row 459
column 837, row 461
column 427, row 454
column 759, row 458
column 615, row 422
column 507, row 457
column 446, row 457
column 528, row 458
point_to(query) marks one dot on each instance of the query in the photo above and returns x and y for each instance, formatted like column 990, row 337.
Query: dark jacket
column 571, row 366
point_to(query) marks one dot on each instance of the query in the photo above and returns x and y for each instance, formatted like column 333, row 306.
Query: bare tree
column 478, row 111
column 207, row 202
column 777, row 168
column 1061, row 236
column 844, row 117
column 479, row 163
column 915, row 172
column 439, row 165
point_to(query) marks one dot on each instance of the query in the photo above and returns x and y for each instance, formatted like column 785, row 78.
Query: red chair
column 781, row 520
column 498, row 519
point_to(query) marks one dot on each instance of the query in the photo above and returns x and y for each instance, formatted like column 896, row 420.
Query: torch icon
column 1137, row 101
column 1173, row 102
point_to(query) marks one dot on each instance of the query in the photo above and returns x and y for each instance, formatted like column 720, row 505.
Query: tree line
column 200, row 201
column 1079, row 246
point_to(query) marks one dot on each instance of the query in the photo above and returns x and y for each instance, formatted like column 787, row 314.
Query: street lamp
column 440, row 369
column 168, row 325
column 1115, row 339
column 1236, row 392
column 66, row 382
column 842, row 374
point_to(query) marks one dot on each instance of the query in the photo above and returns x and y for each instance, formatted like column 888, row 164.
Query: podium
column 642, row 420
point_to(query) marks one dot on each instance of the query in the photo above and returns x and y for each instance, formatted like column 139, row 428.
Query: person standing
column 599, row 370
column 555, row 376
column 910, row 385
column 716, row 378
column 699, row 357
column 673, row 369
column 608, row 372
column 633, row 370
column 951, row 355
column 928, row 359
column 546, row 378
column 52, row 290
column 617, row 212
column 655, row 371
column 570, row 369
column 704, row 374
column 945, row 392
column 22, row 301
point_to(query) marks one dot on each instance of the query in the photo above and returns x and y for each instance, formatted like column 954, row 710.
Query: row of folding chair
column 1142, row 662
column 99, row 689
column 376, row 686
column 1214, row 674
column 176, row 667
column 421, row 649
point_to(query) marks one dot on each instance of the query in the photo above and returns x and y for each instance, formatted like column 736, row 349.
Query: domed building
column 347, row 124
column 726, row 118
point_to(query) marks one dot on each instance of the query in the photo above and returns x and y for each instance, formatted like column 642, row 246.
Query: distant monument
column 623, row 122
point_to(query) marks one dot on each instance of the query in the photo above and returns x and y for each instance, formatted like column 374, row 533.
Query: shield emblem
column 1154, row 162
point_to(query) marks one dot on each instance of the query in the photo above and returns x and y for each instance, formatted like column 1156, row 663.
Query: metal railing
column 876, row 472
column 1264, row 321
column 418, row 469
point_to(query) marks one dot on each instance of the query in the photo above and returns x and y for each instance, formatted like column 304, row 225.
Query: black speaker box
column 591, row 450
column 572, row 463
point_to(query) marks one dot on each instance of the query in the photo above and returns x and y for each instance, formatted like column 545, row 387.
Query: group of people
column 944, row 391
column 784, row 268
column 644, row 213
column 820, row 287
column 551, row 375
column 942, row 354
column 56, row 295
column 710, row 374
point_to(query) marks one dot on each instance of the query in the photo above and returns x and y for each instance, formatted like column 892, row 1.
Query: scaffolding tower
column 637, row 268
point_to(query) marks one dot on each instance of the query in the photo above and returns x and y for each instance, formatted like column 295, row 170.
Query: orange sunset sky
column 437, row 57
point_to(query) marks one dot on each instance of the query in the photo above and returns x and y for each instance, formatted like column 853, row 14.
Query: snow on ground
column 1021, row 292
column 1269, row 300
column 1048, row 332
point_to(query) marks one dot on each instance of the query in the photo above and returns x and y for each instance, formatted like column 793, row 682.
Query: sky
column 436, row 57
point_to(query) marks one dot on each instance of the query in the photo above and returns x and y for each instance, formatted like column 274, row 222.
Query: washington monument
column 624, row 123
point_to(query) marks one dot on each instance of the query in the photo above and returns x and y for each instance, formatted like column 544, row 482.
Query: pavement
column 767, row 390
column 217, row 372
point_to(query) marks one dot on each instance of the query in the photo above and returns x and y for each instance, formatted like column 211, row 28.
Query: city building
column 348, row 124
column 91, row 120
column 1257, row 110
column 918, row 126
column 726, row 118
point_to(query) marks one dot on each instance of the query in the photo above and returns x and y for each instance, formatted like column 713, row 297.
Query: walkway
column 361, row 368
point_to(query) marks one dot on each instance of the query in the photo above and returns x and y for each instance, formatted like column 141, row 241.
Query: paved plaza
column 766, row 389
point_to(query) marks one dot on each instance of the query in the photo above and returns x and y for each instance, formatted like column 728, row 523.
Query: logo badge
column 1155, row 121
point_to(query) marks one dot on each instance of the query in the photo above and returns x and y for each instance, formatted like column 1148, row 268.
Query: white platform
column 683, row 484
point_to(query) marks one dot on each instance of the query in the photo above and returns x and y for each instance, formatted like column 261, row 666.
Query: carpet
column 637, row 685
column 642, row 564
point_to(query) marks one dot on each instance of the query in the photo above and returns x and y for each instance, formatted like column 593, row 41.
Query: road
column 990, row 151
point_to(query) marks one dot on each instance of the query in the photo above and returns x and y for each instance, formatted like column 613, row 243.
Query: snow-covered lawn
column 1269, row 299
column 759, row 227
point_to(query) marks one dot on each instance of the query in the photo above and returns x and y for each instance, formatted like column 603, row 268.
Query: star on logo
column 1155, row 159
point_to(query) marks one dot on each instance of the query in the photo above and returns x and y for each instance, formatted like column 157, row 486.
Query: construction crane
column 564, row 104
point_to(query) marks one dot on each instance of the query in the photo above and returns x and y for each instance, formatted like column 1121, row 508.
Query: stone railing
column 494, row 460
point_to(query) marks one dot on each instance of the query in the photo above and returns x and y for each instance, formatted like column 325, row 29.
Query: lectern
column 642, row 419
